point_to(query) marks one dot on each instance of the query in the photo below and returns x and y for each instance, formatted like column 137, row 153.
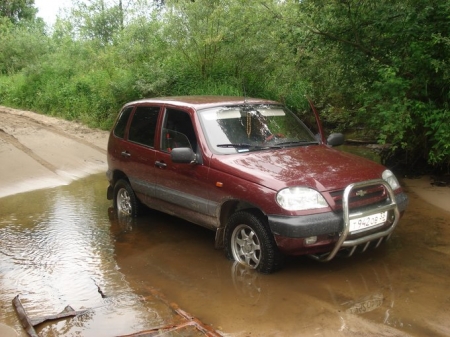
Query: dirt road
column 38, row 151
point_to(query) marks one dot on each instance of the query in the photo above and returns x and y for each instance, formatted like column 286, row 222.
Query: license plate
column 367, row 222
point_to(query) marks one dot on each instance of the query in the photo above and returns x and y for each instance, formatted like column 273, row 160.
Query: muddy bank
column 38, row 151
column 425, row 187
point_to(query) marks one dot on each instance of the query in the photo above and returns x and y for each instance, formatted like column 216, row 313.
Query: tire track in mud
column 7, row 112
column 14, row 142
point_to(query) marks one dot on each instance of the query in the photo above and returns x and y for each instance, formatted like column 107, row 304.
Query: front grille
column 360, row 197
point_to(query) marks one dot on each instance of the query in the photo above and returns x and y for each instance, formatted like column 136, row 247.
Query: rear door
column 118, row 145
column 140, row 151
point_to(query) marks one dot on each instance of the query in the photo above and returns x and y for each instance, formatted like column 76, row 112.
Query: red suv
column 250, row 170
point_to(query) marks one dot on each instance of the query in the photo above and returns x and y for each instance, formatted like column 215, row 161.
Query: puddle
column 56, row 250
column 377, row 292
column 65, row 246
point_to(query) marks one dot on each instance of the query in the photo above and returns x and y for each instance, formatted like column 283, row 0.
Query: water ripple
column 56, row 249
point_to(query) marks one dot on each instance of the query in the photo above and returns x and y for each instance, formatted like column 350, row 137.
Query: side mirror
column 335, row 139
column 183, row 155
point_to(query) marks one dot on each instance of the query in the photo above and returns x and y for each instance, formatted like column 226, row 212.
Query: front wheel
column 249, row 242
column 125, row 201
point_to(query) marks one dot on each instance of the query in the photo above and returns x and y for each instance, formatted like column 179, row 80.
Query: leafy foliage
column 376, row 66
column 385, row 65
column 20, row 45
column 17, row 10
column 95, row 20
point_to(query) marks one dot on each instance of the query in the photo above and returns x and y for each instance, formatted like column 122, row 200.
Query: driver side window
column 177, row 131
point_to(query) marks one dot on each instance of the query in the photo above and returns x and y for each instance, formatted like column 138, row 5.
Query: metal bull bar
column 347, row 216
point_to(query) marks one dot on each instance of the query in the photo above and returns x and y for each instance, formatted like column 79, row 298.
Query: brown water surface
column 66, row 246
column 56, row 249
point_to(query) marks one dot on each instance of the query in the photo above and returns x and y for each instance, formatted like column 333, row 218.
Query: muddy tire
column 125, row 201
column 250, row 242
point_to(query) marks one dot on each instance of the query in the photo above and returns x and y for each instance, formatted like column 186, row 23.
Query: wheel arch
column 229, row 208
column 113, row 179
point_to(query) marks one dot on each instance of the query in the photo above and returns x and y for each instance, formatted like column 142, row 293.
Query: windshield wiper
column 248, row 146
column 236, row 145
column 297, row 142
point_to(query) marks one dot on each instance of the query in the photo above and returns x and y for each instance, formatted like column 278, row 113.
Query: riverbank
column 425, row 188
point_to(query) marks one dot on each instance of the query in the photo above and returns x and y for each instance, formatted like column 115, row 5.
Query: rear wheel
column 125, row 201
column 249, row 242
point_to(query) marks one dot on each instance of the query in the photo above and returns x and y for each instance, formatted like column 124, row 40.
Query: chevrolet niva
column 250, row 170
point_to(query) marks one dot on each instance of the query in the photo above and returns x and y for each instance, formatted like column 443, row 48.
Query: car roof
column 204, row 101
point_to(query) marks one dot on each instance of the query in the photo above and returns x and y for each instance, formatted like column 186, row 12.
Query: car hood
column 316, row 166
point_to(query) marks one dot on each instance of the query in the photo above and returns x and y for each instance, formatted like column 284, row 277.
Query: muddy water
column 56, row 249
column 61, row 246
column 398, row 289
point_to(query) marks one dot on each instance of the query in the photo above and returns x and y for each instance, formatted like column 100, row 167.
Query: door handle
column 160, row 164
column 125, row 154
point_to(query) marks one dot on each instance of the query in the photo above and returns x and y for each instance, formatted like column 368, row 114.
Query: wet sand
column 38, row 151
column 438, row 196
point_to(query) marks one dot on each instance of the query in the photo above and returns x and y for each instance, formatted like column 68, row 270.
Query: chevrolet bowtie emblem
column 361, row 193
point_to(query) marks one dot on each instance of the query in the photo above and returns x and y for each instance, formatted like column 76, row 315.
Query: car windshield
column 246, row 128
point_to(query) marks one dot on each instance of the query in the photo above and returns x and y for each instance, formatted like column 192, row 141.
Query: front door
column 181, row 188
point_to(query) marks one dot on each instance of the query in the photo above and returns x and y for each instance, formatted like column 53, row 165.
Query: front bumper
column 317, row 224
column 290, row 230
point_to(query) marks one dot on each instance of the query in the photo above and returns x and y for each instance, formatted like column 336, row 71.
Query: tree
column 375, row 65
column 222, row 44
column 97, row 20
column 383, row 65
column 18, row 10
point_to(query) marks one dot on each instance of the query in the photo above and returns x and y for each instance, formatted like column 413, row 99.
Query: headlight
column 390, row 178
column 300, row 198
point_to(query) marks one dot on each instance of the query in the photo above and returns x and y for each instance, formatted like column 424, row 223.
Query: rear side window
column 119, row 130
column 143, row 125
